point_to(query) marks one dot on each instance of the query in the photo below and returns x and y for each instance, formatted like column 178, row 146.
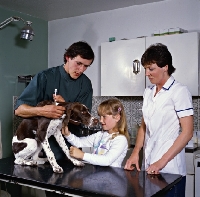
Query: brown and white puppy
column 33, row 133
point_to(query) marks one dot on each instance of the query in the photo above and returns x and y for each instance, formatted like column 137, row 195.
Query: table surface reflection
column 88, row 180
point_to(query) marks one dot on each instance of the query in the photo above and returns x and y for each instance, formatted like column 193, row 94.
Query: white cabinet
column 191, row 174
column 118, row 79
column 197, row 174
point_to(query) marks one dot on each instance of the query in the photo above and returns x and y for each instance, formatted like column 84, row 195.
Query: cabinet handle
column 136, row 66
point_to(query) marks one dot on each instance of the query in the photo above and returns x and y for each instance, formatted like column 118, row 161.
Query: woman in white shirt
column 111, row 144
column 167, row 110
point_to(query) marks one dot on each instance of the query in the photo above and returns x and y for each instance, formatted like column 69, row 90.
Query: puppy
column 33, row 133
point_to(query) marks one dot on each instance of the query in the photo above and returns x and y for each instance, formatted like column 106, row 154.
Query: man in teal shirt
column 72, row 86
column 70, row 81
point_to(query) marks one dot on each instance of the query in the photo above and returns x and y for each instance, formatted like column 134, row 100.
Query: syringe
column 55, row 92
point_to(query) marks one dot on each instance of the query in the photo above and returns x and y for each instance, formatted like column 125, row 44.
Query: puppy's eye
column 84, row 112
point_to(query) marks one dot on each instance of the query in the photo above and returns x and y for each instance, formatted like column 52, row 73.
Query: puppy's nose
column 96, row 124
column 95, row 121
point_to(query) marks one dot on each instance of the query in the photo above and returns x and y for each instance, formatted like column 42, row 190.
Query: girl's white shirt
column 161, row 115
column 107, row 151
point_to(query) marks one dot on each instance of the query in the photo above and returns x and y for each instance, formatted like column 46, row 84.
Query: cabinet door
column 117, row 77
column 184, row 49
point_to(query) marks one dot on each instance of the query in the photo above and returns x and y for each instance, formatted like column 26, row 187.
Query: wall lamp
column 26, row 32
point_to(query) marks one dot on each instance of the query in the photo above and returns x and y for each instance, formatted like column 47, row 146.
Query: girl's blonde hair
column 114, row 107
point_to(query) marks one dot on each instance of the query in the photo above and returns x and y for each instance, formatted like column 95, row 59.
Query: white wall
column 130, row 22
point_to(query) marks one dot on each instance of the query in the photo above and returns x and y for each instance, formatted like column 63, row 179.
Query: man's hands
column 58, row 98
column 76, row 152
column 48, row 111
column 52, row 111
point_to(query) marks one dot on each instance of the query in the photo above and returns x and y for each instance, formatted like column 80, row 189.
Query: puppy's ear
column 67, row 117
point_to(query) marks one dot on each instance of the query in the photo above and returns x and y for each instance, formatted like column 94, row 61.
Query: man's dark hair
column 81, row 48
column 158, row 54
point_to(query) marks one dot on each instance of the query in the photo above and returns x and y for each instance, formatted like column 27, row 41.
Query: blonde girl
column 109, row 145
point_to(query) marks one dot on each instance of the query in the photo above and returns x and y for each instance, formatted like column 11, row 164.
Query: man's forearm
column 48, row 111
column 27, row 111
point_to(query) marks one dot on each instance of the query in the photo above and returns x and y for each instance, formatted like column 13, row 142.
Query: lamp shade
column 27, row 32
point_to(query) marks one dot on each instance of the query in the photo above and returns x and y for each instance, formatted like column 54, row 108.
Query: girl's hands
column 65, row 131
column 76, row 152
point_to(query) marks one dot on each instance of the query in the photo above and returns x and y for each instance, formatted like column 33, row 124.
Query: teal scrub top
column 43, row 85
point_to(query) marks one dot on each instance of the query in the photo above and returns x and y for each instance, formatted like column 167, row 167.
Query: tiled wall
column 196, row 106
column 133, row 106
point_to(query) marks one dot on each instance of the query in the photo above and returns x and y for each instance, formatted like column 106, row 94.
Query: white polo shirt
column 161, row 115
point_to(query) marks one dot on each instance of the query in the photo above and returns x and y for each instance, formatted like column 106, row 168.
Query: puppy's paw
column 30, row 163
column 57, row 169
column 77, row 162
column 42, row 160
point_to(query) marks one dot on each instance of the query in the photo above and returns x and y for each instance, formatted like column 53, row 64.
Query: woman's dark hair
column 81, row 48
column 158, row 54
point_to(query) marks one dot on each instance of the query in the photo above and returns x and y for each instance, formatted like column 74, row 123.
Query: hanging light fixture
column 26, row 32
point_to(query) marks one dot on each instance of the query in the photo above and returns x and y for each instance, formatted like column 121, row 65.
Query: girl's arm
column 118, row 145
column 87, row 141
